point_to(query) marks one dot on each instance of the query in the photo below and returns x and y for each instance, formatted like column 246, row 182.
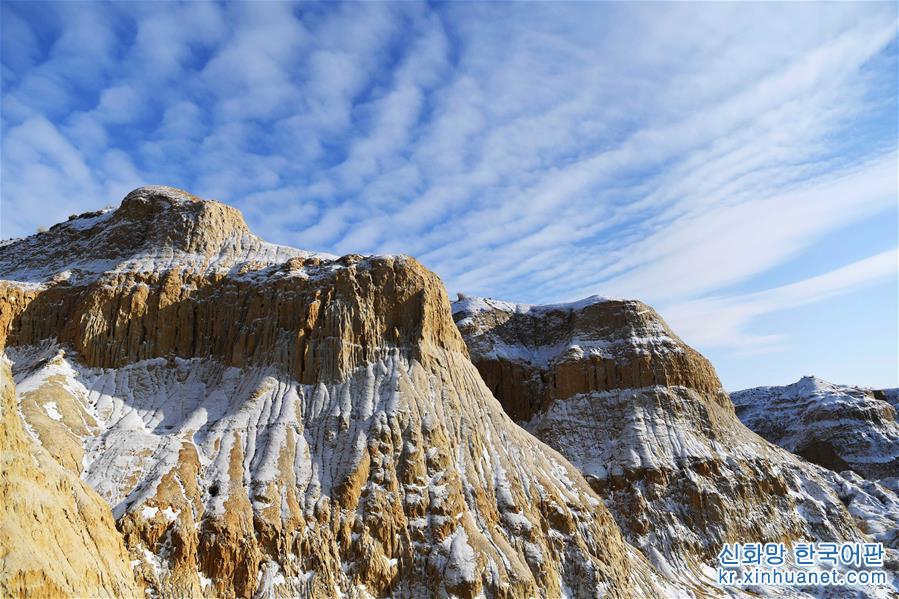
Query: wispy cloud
column 727, row 321
column 539, row 151
column 725, row 244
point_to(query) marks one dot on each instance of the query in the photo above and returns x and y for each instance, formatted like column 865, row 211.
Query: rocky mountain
column 645, row 419
column 850, row 430
column 189, row 411
column 836, row 426
column 263, row 421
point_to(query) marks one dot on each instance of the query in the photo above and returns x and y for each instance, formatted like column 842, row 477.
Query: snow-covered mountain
column 189, row 411
column 644, row 417
column 268, row 422
column 850, row 430
column 837, row 426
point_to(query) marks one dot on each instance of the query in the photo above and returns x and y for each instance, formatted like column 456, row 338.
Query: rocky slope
column 57, row 536
column 264, row 421
column 849, row 430
column 645, row 419
column 835, row 426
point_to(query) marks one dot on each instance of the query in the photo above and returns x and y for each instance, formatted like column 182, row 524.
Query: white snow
column 204, row 581
column 154, row 561
column 85, row 222
column 52, row 410
column 473, row 305
column 270, row 576
column 526, row 342
column 461, row 564
column 170, row 514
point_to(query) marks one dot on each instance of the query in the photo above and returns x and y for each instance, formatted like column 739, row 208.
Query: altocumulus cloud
column 538, row 152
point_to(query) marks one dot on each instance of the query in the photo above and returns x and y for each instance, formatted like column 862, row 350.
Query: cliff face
column 835, row 426
column 266, row 421
column 530, row 356
column 645, row 419
column 57, row 536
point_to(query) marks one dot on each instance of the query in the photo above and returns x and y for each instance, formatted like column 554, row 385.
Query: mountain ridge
column 276, row 421
column 646, row 420
column 266, row 421
column 840, row 427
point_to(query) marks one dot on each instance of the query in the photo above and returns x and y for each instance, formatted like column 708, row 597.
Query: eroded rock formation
column 57, row 536
column 835, row 426
column 266, row 421
column 205, row 414
column 645, row 419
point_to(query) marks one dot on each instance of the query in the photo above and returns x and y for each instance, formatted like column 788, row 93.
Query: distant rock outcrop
column 836, row 426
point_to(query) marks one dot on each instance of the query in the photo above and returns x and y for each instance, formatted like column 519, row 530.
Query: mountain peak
column 181, row 220
column 155, row 228
column 182, row 212
column 167, row 193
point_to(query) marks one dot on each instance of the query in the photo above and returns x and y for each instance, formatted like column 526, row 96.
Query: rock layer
column 266, row 421
column 530, row 356
column 645, row 419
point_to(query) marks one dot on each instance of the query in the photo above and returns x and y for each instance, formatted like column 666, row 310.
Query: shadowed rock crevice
column 824, row 455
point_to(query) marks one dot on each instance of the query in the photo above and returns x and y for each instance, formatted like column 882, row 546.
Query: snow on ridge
column 807, row 387
column 236, row 254
column 474, row 305
column 93, row 244
column 71, row 248
column 174, row 194
column 86, row 220
column 487, row 343
column 576, row 347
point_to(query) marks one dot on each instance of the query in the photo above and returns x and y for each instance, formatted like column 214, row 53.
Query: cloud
column 731, row 150
column 727, row 244
column 119, row 104
column 52, row 176
column 536, row 152
column 726, row 321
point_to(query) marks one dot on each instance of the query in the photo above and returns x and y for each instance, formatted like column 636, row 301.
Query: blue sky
column 734, row 165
